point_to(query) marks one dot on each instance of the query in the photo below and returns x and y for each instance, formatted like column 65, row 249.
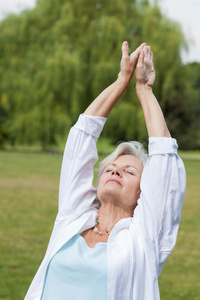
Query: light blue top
column 77, row 272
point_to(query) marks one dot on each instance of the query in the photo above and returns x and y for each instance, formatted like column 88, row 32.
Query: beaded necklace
column 96, row 230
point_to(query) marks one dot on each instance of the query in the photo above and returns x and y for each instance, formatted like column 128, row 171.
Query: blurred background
column 56, row 56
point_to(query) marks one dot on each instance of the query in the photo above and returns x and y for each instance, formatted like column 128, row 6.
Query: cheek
column 138, row 183
column 134, row 186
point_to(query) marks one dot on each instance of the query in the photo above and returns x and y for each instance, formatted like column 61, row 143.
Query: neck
column 109, row 215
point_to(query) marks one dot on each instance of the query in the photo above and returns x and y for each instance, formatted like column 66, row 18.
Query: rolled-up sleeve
column 163, row 185
column 76, row 192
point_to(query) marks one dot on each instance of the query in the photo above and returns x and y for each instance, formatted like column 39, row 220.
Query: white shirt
column 137, row 247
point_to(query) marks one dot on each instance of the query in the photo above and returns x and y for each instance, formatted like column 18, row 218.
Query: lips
column 114, row 180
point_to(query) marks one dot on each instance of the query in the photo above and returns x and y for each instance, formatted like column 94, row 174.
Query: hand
column 145, row 73
column 128, row 63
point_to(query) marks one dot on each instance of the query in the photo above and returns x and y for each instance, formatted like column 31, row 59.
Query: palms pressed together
column 141, row 60
column 145, row 73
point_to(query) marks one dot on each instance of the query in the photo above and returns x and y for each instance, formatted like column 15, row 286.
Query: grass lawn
column 28, row 198
column 181, row 274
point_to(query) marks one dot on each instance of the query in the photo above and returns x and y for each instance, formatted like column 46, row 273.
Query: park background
column 54, row 60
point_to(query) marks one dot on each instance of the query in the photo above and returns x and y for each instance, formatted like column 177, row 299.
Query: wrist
column 143, row 89
column 123, row 82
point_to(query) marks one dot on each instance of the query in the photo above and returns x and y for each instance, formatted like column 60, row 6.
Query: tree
column 57, row 57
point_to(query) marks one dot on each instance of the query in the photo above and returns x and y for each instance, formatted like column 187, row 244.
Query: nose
column 116, row 172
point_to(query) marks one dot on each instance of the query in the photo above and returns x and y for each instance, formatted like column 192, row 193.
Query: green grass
column 28, row 198
column 181, row 274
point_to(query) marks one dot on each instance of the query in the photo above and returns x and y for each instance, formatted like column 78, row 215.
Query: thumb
column 125, row 48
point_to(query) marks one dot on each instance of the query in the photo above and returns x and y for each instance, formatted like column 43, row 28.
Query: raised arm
column 163, row 178
column 80, row 152
column 104, row 103
column 145, row 77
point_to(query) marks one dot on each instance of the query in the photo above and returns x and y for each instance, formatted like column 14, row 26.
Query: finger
column 140, row 47
column 151, row 56
column 147, row 51
column 136, row 53
column 125, row 48
column 152, row 60
column 141, row 57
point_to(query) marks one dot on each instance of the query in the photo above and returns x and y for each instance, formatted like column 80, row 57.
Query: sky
column 185, row 12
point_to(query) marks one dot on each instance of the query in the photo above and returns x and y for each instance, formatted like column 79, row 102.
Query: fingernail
column 125, row 43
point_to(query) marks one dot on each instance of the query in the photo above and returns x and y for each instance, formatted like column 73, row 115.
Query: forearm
column 79, row 157
column 104, row 103
column 155, row 122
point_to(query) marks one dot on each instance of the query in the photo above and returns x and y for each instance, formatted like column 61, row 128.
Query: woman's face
column 120, row 182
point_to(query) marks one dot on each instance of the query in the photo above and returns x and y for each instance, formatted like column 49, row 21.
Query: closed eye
column 131, row 173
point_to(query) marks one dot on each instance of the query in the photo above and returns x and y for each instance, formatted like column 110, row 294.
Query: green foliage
column 126, row 123
column 57, row 57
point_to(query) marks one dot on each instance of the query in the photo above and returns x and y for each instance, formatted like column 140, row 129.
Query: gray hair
column 125, row 148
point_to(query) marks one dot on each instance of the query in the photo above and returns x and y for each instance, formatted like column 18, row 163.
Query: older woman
column 111, row 243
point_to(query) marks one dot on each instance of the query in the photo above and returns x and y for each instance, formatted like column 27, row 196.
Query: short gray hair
column 125, row 148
